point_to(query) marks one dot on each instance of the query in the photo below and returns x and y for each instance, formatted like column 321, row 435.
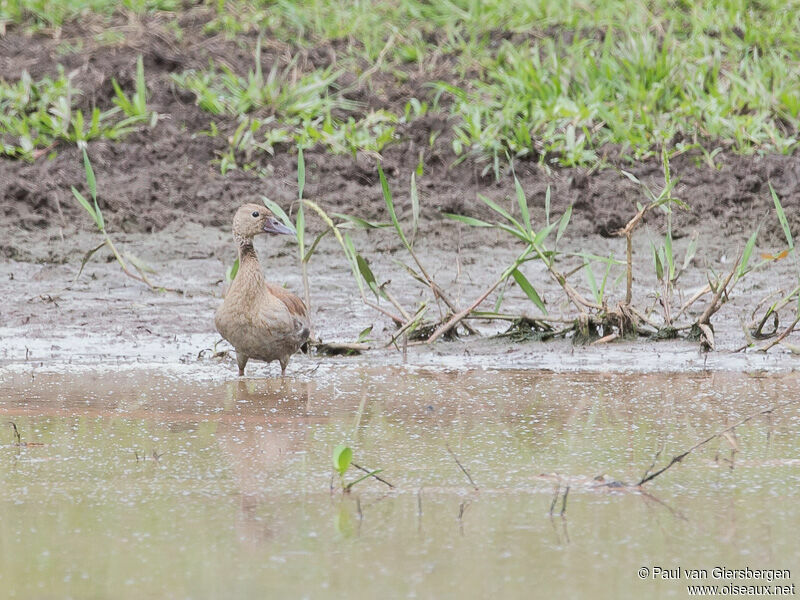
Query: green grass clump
column 569, row 100
column 53, row 13
column 562, row 80
column 287, row 107
column 34, row 115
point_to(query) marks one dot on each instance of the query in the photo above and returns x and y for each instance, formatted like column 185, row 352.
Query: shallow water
column 142, row 485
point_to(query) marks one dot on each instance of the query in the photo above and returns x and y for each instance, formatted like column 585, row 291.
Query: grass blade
column 301, row 231
column 547, row 206
column 359, row 222
column 92, row 183
column 468, row 220
column 414, row 207
column 746, row 254
column 529, row 290
column 523, row 207
column 587, row 269
column 368, row 275
column 782, row 218
column 85, row 204
column 279, row 212
column 563, row 222
column 387, row 196
column 301, row 173
column 501, row 211
column 657, row 262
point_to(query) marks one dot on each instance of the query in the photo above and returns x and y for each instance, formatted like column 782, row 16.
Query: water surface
column 142, row 485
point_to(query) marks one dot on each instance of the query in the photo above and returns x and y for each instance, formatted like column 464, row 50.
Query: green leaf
column 301, row 173
column 85, row 203
column 540, row 237
column 362, row 223
column 362, row 478
column 748, row 251
column 92, row 183
column 230, row 273
column 529, row 290
column 782, row 218
column 657, row 261
column 350, row 252
column 547, row 206
column 587, row 269
column 500, row 210
column 691, row 250
column 369, row 277
column 86, row 258
column 387, row 196
column 141, row 88
column 314, row 244
column 630, row 176
column 138, row 263
column 414, row 206
column 342, row 457
column 468, row 220
column 278, row 212
column 563, row 222
column 668, row 255
column 301, row 230
column 90, row 179
column 523, row 207
column 364, row 334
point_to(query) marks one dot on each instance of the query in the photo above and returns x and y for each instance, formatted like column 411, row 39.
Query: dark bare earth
column 157, row 175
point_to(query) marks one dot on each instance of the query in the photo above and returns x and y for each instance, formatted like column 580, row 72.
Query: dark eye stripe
column 255, row 213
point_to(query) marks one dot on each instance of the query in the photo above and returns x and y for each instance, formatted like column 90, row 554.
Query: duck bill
column 275, row 226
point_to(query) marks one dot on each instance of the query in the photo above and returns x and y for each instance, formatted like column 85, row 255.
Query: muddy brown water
column 146, row 485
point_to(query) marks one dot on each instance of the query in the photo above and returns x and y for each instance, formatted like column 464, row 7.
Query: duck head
column 254, row 219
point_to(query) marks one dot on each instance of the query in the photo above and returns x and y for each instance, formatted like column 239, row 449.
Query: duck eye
column 255, row 213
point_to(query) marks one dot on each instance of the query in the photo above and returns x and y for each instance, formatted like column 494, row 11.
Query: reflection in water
column 239, row 503
column 268, row 426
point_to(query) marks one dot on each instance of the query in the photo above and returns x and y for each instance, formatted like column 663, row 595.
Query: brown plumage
column 261, row 320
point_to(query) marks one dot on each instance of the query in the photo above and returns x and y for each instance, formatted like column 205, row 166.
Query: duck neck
column 248, row 260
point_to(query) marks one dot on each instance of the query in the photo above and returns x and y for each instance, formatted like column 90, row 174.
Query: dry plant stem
column 461, row 315
column 629, row 269
column 397, row 320
column 396, row 304
column 605, row 339
column 438, row 292
column 692, row 300
column 679, row 457
column 375, row 476
column 460, row 466
column 410, row 323
column 356, row 347
column 715, row 303
column 141, row 276
column 781, row 337
column 642, row 317
column 579, row 301
column 627, row 231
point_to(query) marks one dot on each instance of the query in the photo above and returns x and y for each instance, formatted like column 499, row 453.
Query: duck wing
column 296, row 308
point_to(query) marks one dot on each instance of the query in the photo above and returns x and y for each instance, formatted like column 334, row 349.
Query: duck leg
column 241, row 358
column 284, row 362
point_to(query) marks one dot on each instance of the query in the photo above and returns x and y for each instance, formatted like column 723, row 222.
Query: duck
column 261, row 320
